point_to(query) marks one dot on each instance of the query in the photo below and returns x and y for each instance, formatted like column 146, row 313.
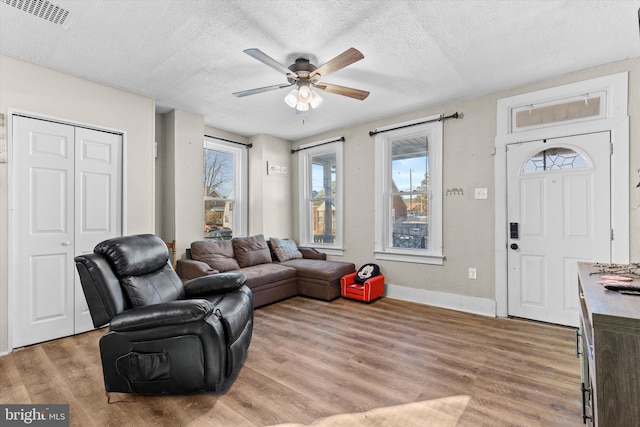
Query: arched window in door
column 555, row 158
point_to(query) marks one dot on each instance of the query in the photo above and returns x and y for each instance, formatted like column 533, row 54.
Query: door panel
column 577, row 212
column 44, row 231
column 48, row 288
column 98, row 194
column 558, row 193
column 532, row 280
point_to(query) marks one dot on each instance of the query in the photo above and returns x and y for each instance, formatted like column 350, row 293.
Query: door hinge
column 611, row 148
column 612, row 234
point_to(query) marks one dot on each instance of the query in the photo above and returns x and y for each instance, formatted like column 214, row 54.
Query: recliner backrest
column 140, row 264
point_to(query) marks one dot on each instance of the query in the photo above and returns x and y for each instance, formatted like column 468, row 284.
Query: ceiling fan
column 306, row 77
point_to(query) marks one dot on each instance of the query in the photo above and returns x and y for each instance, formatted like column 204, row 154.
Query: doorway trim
column 12, row 188
column 614, row 119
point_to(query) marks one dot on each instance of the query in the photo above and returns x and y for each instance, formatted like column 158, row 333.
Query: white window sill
column 410, row 257
column 326, row 250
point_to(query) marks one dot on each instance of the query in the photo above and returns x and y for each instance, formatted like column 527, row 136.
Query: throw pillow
column 217, row 254
column 285, row 249
column 366, row 272
column 252, row 250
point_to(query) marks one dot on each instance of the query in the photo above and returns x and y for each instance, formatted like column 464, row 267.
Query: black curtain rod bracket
column 439, row 119
column 317, row 145
column 228, row 140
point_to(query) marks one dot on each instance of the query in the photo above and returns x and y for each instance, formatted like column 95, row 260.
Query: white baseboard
column 483, row 306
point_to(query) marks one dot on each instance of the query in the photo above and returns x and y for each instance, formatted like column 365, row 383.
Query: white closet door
column 43, row 236
column 98, row 190
column 67, row 197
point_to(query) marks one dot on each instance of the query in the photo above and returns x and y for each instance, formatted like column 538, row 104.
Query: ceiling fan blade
column 260, row 90
column 342, row 90
column 266, row 59
column 347, row 57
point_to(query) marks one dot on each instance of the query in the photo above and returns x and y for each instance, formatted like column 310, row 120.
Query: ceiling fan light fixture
column 304, row 93
column 316, row 99
column 292, row 98
column 302, row 98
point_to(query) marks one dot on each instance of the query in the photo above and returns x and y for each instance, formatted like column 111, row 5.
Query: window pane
column 573, row 110
column 410, row 219
column 218, row 194
column 555, row 158
column 323, row 193
column 409, row 164
column 409, row 193
column 323, row 221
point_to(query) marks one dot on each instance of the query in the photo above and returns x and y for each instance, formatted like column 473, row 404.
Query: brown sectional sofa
column 275, row 270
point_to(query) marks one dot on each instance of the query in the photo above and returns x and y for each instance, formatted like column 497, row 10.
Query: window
column 225, row 206
column 567, row 110
column 555, row 158
column 321, row 196
column 409, row 193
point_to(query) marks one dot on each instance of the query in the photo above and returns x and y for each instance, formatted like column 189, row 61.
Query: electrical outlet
column 472, row 273
column 481, row 193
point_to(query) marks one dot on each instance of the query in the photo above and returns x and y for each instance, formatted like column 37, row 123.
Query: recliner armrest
column 215, row 284
column 163, row 314
column 311, row 253
column 190, row 269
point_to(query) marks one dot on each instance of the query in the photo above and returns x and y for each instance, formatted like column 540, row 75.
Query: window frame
column 384, row 249
column 308, row 151
column 240, row 181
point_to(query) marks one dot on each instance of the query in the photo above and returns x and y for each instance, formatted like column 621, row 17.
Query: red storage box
column 372, row 288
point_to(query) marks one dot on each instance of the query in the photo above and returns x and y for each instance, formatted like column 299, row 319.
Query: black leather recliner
column 165, row 337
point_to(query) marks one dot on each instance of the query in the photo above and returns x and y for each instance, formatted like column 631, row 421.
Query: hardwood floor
column 310, row 359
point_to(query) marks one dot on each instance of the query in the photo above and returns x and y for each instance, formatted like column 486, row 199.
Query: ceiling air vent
column 42, row 9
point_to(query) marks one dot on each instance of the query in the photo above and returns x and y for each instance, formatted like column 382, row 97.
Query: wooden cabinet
column 610, row 352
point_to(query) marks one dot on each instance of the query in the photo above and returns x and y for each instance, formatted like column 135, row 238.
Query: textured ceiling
column 187, row 54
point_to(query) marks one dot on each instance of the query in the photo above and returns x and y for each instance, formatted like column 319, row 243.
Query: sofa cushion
column 285, row 249
column 252, row 250
column 217, row 254
column 265, row 274
column 327, row 271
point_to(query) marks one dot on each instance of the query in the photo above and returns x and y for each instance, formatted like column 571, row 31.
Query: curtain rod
column 317, row 145
column 228, row 140
column 439, row 119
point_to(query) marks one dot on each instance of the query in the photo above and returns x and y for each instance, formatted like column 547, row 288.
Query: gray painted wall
column 468, row 163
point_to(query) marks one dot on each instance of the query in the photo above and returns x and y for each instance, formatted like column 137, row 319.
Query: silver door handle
column 66, row 243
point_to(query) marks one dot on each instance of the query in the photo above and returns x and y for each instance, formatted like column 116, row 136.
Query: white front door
column 67, row 198
column 559, row 214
